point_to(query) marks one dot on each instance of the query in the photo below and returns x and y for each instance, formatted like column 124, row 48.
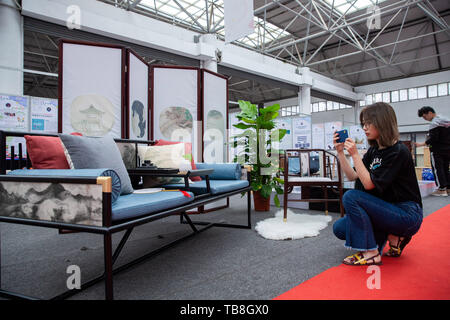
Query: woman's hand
column 338, row 145
column 350, row 146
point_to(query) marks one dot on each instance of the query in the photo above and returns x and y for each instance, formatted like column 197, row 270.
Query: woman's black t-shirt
column 393, row 174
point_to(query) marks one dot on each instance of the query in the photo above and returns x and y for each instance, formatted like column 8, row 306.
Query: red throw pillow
column 187, row 151
column 46, row 152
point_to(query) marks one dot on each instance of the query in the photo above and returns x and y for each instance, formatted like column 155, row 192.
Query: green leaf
column 276, row 200
column 266, row 191
column 281, row 181
column 272, row 108
column 256, row 186
column 243, row 126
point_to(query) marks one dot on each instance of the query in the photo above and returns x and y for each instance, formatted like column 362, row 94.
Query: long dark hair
column 382, row 116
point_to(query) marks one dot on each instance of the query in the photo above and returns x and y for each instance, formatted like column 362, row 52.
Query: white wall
column 406, row 111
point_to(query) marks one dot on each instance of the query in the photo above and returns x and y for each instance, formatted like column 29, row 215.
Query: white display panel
column 138, row 96
column 14, row 113
column 358, row 135
column 318, row 136
column 215, row 117
column 330, row 128
column 302, row 132
column 44, row 115
column 285, row 123
column 175, row 105
column 92, row 90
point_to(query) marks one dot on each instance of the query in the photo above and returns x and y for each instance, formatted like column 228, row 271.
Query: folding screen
column 175, row 105
column 91, row 84
column 138, row 97
column 215, row 116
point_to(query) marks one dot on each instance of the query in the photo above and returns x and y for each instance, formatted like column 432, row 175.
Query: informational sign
column 330, row 128
column 239, row 19
column 44, row 115
column 285, row 123
column 358, row 135
column 318, row 136
column 302, row 132
column 14, row 112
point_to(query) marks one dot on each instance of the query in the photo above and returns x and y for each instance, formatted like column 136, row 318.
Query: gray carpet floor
column 219, row 263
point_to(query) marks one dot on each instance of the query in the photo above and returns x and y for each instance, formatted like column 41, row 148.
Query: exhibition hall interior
column 221, row 150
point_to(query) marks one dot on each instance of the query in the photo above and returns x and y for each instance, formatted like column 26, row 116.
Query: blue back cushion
column 222, row 171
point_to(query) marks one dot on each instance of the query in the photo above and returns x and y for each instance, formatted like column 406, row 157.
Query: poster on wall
column 302, row 132
column 14, row 112
column 44, row 115
column 358, row 135
column 285, row 123
column 91, row 81
column 215, row 114
column 138, row 97
column 330, row 128
column 175, row 105
column 318, row 136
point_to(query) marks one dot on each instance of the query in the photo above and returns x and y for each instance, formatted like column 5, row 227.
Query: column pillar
column 11, row 55
column 304, row 99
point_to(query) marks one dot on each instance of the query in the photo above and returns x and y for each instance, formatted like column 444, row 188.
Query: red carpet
column 422, row 272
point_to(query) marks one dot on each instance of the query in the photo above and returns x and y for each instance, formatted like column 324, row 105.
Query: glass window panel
column 322, row 106
column 403, row 95
column 421, row 92
column 369, row 99
column 329, row 105
column 412, row 93
column 315, row 107
column 386, row 97
column 335, row 105
column 432, row 91
column 395, row 96
column 342, row 106
column 362, row 103
column 378, row 97
column 442, row 89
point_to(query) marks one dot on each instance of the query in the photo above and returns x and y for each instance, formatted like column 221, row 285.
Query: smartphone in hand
column 343, row 134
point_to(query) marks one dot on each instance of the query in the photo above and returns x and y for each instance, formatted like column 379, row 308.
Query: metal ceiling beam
column 360, row 19
column 436, row 19
column 134, row 4
column 398, row 63
column 190, row 16
column 375, row 48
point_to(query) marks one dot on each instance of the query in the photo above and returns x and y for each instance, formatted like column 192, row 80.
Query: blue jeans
column 369, row 220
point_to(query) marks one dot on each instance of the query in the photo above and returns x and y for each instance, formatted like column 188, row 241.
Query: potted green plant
column 257, row 150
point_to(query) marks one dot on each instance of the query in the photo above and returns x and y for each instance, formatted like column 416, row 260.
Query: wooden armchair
column 325, row 180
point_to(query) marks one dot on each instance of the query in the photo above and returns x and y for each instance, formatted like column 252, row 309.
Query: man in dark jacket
column 438, row 140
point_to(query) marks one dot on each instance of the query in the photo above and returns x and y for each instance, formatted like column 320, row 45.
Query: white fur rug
column 297, row 226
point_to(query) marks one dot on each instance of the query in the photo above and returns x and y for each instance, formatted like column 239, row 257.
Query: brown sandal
column 358, row 260
column 396, row 251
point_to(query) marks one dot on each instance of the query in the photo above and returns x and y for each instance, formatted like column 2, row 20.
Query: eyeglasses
column 365, row 124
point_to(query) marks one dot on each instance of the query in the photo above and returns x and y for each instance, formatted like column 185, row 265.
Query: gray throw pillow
column 95, row 153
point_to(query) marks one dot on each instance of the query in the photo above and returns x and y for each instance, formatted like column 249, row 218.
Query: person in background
column 386, row 204
column 438, row 140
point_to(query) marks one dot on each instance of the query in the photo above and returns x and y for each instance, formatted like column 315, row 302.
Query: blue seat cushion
column 135, row 205
column 217, row 186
